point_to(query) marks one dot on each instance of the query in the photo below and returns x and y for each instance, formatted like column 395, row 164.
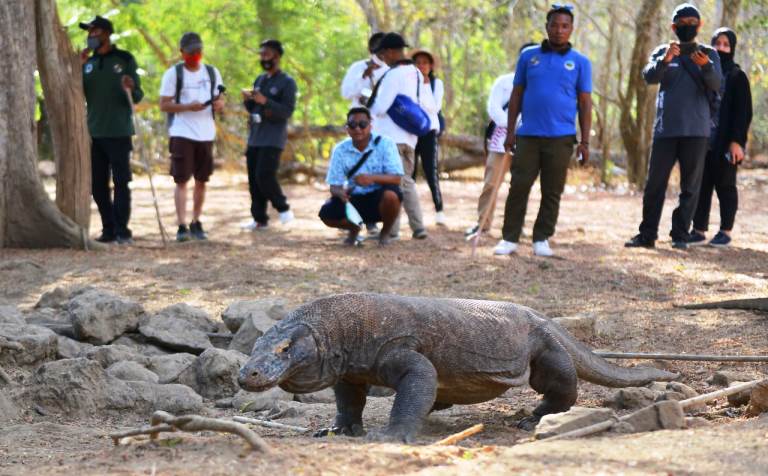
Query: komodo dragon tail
column 596, row 369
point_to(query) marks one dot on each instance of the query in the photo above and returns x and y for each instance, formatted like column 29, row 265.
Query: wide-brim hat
column 432, row 58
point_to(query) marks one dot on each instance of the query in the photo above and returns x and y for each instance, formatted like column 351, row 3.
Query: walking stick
column 500, row 173
column 147, row 168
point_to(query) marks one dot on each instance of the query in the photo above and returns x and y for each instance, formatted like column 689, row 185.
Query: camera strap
column 363, row 158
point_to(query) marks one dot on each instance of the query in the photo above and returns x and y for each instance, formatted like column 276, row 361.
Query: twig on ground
column 462, row 435
column 270, row 424
column 165, row 422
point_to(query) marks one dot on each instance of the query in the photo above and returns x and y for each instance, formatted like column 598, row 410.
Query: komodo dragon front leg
column 350, row 402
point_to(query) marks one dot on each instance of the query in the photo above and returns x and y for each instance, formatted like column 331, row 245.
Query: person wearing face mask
column 690, row 79
column 727, row 143
column 107, row 73
column 270, row 104
column 189, row 94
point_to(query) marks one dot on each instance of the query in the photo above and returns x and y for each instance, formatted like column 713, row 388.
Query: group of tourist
column 394, row 122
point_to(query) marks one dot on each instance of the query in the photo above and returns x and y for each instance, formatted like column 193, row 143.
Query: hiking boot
column 196, row 230
column 183, row 234
column 696, row 239
column 721, row 240
column 286, row 217
column 504, row 247
column 541, row 248
column 639, row 241
column 106, row 237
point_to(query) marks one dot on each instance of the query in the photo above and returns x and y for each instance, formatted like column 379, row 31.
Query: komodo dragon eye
column 282, row 346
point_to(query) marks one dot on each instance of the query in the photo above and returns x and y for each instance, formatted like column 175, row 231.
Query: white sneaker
column 440, row 219
column 505, row 248
column 249, row 225
column 286, row 217
column 541, row 248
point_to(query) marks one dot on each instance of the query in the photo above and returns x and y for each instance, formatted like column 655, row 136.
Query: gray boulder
column 664, row 415
column 580, row 326
column 172, row 398
column 180, row 327
column 9, row 411
column 214, row 373
column 196, row 317
column 139, row 344
column 106, row 355
column 168, row 367
column 131, row 371
column 27, row 344
column 575, row 418
column 758, row 399
column 11, row 315
column 264, row 310
column 253, row 327
column 99, row 317
column 56, row 320
column 631, row 398
column 59, row 297
column 724, row 378
column 70, row 348
column 258, row 401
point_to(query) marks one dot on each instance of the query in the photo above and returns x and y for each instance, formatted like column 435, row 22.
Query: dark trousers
column 262, row 181
column 720, row 176
column 427, row 151
column 534, row 155
column 690, row 152
column 112, row 156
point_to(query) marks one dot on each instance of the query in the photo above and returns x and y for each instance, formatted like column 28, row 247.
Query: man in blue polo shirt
column 552, row 83
column 365, row 170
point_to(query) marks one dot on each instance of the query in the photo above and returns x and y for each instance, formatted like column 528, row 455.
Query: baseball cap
column 190, row 42
column 98, row 22
column 391, row 41
column 273, row 45
column 685, row 10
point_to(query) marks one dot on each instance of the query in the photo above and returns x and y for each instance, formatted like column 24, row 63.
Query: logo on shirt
column 117, row 68
column 569, row 65
column 88, row 68
column 273, row 90
column 535, row 61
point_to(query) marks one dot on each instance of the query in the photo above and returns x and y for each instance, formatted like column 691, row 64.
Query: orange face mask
column 192, row 60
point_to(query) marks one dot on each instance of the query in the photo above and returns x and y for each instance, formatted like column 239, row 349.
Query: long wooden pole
column 497, row 179
column 689, row 357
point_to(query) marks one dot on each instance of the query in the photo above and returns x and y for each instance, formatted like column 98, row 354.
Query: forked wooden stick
column 500, row 173
column 270, row 424
column 462, row 435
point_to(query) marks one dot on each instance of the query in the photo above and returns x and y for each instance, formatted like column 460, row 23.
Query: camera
column 688, row 48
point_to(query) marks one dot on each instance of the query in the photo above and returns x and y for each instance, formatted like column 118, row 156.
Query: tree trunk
column 61, row 77
column 28, row 218
column 636, row 120
column 730, row 13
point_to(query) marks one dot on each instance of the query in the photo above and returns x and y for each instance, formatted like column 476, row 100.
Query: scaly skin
column 433, row 352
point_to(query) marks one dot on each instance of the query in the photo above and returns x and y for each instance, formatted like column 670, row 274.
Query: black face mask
column 267, row 64
column 686, row 33
column 725, row 57
column 93, row 43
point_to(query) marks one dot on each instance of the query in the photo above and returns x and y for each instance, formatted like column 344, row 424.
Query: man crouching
column 364, row 175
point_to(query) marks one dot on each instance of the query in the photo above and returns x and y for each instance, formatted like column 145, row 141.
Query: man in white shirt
column 190, row 102
column 363, row 75
column 402, row 78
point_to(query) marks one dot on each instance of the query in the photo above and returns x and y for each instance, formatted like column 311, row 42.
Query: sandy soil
column 595, row 274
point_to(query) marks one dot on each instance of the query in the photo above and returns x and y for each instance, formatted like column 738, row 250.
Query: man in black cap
column 270, row 103
column 363, row 75
column 107, row 73
column 690, row 78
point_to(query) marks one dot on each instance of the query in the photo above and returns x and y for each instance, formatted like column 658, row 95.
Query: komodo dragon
column 432, row 352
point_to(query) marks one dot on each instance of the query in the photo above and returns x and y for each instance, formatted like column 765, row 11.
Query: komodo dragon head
column 286, row 355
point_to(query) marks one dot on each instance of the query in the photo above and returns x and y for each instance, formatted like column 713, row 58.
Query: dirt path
column 637, row 289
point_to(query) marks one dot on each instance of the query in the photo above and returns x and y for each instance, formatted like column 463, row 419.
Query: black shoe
column 106, row 237
column 419, row 234
column 680, row 244
column 721, row 240
column 196, row 230
column 639, row 241
column 183, row 234
column 696, row 239
column 124, row 240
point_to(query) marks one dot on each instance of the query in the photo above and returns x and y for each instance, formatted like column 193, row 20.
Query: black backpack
column 180, row 84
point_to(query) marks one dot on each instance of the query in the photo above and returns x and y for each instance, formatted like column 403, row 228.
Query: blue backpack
column 405, row 112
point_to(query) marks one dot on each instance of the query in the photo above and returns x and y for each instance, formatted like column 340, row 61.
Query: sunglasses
column 562, row 6
column 358, row 125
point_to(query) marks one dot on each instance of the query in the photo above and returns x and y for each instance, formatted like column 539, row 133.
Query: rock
column 665, row 415
column 8, row 409
column 223, row 403
column 99, row 317
column 168, row 367
column 59, row 297
column 264, row 309
column 214, row 373
column 688, row 392
column 758, row 399
column 252, row 327
column 70, row 348
column 696, row 422
column 106, row 355
column 220, row 340
column 675, row 396
column 257, row 401
column 657, row 386
column 739, row 399
column 78, row 387
column 581, row 326
column 323, row 396
column 131, row 371
column 575, row 418
column 172, row 398
column 179, row 327
column 611, row 326
column 139, row 343
column 631, row 398
column 11, row 315
column 54, row 319
column 724, row 378
column 27, row 344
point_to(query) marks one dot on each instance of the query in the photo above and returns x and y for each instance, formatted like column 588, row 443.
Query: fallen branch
column 708, row 397
column 462, row 435
column 165, row 422
column 691, row 357
column 757, row 304
column 270, row 424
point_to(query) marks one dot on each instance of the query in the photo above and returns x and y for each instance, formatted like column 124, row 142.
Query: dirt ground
column 637, row 289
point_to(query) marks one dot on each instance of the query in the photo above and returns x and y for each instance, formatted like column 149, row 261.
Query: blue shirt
column 384, row 160
column 552, row 83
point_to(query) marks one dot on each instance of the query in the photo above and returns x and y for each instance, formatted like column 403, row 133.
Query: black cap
column 273, row 45
column 685, row 10
column 391, row 41
column 98, row 22
column 190, row 42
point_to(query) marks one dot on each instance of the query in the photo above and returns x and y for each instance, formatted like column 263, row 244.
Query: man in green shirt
column 108, row 73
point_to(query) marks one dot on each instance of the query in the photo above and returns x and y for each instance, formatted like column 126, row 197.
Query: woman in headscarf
column 727, row 143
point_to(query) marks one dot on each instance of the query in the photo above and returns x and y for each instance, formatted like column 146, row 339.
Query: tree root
column 165, row 422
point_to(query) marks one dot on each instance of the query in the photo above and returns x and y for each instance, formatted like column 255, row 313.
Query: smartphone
column 688, row 48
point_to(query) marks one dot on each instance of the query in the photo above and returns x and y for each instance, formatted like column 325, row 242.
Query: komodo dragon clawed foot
column 394, row 434
column 529, row 423
column 350, row 430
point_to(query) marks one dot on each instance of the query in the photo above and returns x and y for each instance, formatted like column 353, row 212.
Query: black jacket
column 735, row 112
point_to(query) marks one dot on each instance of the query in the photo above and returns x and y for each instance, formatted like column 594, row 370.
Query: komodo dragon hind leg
column 554, row 376
column 350, row 402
